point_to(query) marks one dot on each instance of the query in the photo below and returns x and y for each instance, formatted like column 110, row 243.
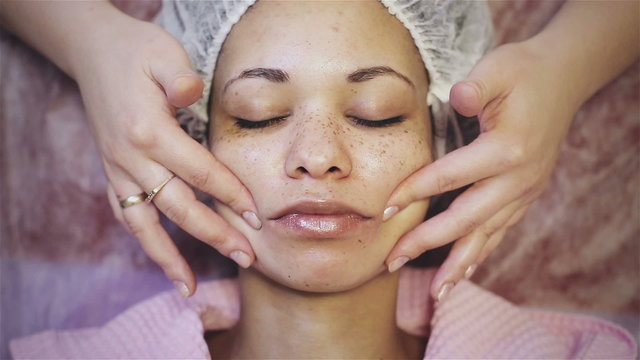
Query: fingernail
column 397, row 263
column 182, row 288
column 444, row 291
column 389, row 212
column 252, row 219
column 241, row 258
column 470, row 270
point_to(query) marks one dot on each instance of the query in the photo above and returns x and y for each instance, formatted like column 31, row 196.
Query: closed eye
column 377, row 123
column 249, row 124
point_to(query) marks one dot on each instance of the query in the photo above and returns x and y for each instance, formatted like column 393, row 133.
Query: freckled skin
column 290, row 160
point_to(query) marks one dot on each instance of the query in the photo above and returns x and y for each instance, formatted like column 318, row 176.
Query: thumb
column 174, row 73
column 485, row 82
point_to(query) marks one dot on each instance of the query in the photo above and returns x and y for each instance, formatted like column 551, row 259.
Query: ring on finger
column 132, row 200
column 158, row 188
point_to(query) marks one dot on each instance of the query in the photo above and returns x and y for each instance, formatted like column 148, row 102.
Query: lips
column 320, row 219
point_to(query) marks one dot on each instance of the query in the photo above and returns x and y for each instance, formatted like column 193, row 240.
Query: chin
column 321, row 269
column 327, row 264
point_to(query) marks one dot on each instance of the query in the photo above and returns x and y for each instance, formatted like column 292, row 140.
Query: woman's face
column 319, row 109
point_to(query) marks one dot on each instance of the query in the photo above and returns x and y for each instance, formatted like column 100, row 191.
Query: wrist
column 560, row 67
column 95, row 33
column 586, row 49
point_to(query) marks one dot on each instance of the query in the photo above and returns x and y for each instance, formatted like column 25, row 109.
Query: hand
column 524, row 110
column 133, row 77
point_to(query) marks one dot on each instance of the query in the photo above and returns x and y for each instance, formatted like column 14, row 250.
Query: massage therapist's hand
column 523, row 123
column 525, row 96
column 132, row 76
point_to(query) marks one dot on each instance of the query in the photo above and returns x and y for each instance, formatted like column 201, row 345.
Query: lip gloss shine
column 321, row 225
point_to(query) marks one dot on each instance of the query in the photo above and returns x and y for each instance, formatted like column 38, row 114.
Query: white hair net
column 451, row 36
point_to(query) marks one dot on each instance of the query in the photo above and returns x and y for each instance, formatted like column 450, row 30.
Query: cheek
column 392, row 156
column 253, row 160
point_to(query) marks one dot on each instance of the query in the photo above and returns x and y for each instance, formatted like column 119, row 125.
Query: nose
column 318, row 151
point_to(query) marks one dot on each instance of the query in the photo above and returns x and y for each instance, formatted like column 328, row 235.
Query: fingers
column 465, row 254
column 143, row 222
column 492, row 244
column 485, row 83
column 178, row 202
column 197, row 166
column 115, row 204
column 486, row 156
column 470, row 210
column 495, row 240
column 173, row 71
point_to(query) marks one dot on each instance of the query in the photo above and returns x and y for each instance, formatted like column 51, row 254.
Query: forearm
column 63, row 31
column 590, row 43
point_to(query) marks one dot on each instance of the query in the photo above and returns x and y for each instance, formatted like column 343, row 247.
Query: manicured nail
column 470, row 270
column 397, row 263
column 241, row 258
column 252, row 219
column 444, row 291
column 389, row 212
column 182, row 288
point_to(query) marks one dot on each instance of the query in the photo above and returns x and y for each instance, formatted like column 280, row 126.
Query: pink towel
column 470, row 324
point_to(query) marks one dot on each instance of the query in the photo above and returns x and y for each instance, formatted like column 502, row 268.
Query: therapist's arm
column 132, row 76
column 525, row 95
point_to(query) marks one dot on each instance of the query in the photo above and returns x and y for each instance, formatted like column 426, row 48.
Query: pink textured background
column 66, row 261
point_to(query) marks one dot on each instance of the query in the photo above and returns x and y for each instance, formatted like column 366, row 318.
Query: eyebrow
column 273, row 75
column 281, row 76
column 369, row 73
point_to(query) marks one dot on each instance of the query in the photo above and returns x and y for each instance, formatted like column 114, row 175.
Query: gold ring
column 158, row 188
column 132, row 200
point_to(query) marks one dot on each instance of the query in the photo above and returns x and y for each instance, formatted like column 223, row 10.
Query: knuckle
column 487, row 231
column 200, row 179
column 512, row 156
column 234, row 201
column 135, row 229
column 445, row 183
column 114, row 152
column 468, row 225
column 176, row 213
column 215, row 239
column 479, row 86
column 141, row 134
column 516, row 217
column 530, row 192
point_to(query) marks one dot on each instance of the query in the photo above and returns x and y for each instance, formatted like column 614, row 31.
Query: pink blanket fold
column 470, row 324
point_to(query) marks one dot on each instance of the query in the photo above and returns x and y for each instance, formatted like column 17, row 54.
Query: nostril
column 302, row 169
column 333, row 169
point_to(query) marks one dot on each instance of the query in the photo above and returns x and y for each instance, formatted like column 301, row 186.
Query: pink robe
column 470, row 323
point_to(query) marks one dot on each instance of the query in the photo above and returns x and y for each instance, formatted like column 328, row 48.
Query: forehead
column 319, row 37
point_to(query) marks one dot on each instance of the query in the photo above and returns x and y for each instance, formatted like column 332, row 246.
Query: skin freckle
column 275, row 163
